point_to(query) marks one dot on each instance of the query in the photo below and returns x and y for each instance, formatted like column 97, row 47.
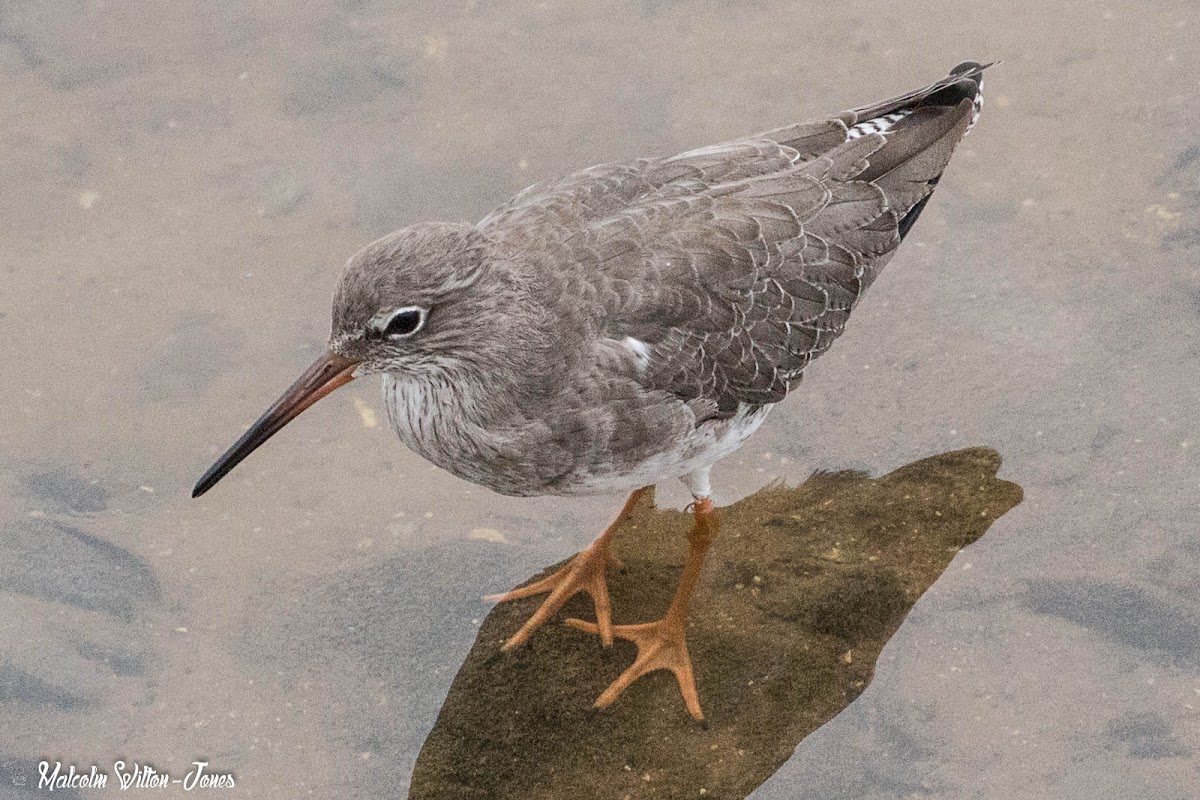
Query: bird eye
column 405, row 322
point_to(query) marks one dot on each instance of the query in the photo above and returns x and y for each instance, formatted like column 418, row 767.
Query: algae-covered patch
column 801, row 591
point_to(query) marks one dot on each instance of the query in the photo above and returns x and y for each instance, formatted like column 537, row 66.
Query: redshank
column 631, row 322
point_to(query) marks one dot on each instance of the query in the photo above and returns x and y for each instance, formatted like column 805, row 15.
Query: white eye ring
column 403, row 322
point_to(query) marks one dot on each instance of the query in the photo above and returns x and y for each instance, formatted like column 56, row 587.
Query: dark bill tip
column 326, row 374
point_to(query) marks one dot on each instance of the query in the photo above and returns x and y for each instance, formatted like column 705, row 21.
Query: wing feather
column 738, row 264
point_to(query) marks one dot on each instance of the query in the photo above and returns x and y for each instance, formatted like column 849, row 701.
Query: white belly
column 436, row 422
column 711, row 442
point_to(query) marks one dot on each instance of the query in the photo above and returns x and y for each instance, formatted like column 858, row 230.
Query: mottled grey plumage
column 635, row 321
column 631, row 322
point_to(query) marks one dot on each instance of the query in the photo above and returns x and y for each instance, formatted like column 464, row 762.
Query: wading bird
column 632, row 322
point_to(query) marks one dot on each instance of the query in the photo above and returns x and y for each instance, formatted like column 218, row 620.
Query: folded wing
column 734, row 266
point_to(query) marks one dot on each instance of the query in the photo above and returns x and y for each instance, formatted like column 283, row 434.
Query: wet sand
column 181, row 184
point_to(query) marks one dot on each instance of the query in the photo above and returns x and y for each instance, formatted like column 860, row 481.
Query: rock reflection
column 801, row 591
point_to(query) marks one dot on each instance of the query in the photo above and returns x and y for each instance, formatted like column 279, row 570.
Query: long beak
column 326, row 374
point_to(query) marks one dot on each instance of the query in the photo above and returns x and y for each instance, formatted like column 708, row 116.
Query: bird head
column 408, row 303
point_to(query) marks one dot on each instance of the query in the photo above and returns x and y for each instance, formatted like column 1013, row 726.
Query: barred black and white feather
column 737, row 264
column 637, row 320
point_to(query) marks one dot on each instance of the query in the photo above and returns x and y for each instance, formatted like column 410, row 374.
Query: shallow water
column 180, row 186
column 805, row 588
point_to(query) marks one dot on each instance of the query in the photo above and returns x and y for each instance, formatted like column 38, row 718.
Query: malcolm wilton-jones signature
column 127, row 775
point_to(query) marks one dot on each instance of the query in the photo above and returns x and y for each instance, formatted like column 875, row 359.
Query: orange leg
column 585, row 573
column 663, row 644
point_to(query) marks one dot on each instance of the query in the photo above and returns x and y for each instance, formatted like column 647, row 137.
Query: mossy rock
column 800, row 592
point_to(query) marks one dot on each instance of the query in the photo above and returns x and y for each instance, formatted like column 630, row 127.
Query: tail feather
column 966, row 79
column 812, row 139
column 920, row 132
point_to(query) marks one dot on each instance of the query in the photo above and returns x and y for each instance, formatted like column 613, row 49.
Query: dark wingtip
column 967, row 67
column 972, row 68
column 910, row 218
column 964, row 82
column 953, row 94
